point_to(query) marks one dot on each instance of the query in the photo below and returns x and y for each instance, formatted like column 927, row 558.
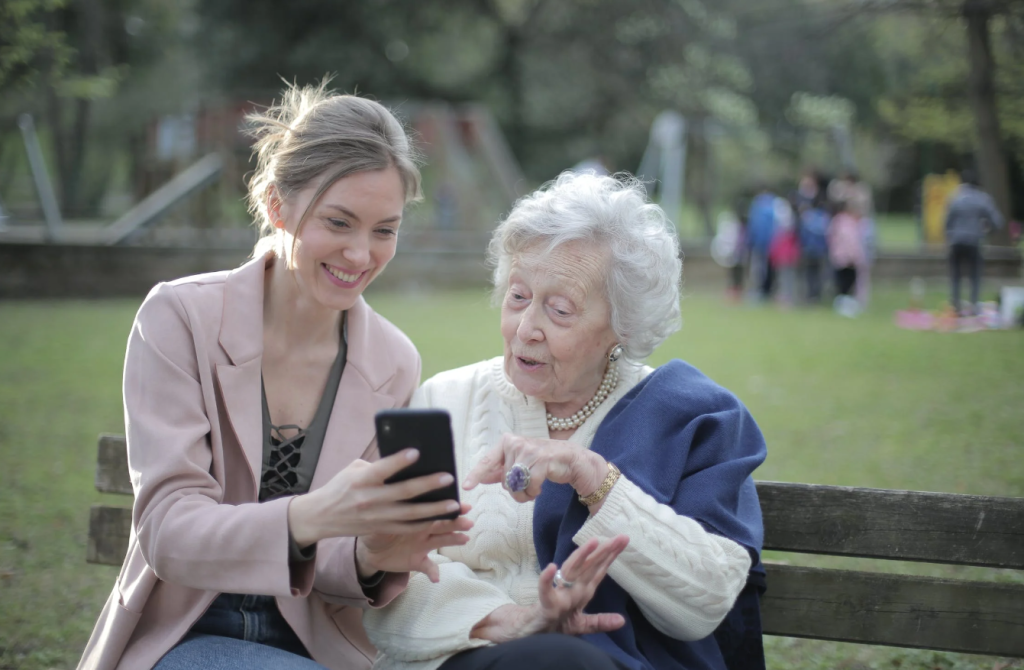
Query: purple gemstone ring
column 517, row 478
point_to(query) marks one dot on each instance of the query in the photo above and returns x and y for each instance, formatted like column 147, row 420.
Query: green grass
column 897, row 232
column 60, row 371
column 840, row 402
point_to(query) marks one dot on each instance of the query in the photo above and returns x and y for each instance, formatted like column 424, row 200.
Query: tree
column 566, row 78
column 30, row 48
column 978, row 44
column 83, row 68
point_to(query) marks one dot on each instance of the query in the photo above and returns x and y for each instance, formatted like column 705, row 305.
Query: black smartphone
column 430, row 431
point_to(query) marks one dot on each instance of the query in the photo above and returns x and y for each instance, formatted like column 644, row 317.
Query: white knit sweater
column 683, row 578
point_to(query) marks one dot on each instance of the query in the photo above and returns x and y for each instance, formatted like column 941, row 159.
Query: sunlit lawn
column 841, row 402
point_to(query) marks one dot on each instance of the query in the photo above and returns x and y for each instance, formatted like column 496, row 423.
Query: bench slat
column 902, row 525
column 109, row 529
column 896, row 610
column 112, row 465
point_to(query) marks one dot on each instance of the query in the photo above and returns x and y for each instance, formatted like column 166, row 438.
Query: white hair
column 644, row 267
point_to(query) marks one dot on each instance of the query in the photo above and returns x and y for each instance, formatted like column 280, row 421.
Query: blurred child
column 784, row 252
column 729, row 249
column 814, row 220
column 846, row 252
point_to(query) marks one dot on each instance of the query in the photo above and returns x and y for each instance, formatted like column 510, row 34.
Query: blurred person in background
column 840, row 189
column 846, row 253
column 740, row 255
column 808, row 189
column 261, row 530
column 626, row 531
column 970, row 215
column 784, row 253
column 595, row 165
column 814, row 221
column 729, row 248
column 760, row 231
column 862, row 197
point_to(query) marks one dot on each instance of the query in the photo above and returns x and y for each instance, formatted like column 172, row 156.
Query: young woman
column 261, row 529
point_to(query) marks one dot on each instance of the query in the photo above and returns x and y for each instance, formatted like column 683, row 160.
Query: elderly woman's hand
column 559, row 608
column 561, row 461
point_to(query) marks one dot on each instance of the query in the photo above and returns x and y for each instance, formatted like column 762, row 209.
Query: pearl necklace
column 608, row 384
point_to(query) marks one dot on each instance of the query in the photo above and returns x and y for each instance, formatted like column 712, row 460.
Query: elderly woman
column 646, row 473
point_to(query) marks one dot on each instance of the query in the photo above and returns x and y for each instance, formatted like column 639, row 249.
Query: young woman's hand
column 409, row 552
column 560, row 607
column 357, row 502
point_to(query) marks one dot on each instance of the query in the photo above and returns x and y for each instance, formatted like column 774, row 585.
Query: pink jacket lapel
column 241, row 336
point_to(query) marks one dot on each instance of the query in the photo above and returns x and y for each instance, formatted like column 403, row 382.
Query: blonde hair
column 313, row 133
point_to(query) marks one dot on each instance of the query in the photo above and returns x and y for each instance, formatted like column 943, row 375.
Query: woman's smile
column 341, row 278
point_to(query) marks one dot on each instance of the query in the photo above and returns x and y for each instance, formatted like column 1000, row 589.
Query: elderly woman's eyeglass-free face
column 556, row 323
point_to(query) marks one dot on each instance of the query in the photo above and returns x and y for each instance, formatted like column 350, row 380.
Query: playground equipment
column 664, row 162
column 471, row 178
column 44, row 189
column 182, row 186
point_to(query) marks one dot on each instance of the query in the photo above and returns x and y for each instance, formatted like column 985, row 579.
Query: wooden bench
column 821, row 603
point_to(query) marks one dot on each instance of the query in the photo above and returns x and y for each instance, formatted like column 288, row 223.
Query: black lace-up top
column 290, row 453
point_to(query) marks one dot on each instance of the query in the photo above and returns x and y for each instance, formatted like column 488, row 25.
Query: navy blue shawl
column 691, row 444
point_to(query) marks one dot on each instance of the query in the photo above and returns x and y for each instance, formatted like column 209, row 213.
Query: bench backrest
column 849, row 606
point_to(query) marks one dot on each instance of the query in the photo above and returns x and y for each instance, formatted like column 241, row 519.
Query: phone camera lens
column 386, row 428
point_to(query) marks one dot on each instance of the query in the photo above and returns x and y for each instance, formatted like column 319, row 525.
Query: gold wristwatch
column 602, row 490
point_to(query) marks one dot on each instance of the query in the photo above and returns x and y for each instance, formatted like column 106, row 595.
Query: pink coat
column 193, row 418
column 846, row 241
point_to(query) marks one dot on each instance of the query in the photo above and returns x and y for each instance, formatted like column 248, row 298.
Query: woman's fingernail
column 412, row 454
column 446, row 479
column 454, row 506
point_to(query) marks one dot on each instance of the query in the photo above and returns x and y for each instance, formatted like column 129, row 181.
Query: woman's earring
column 616, row 353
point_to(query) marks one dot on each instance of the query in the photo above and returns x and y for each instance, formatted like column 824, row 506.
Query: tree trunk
column 512, row 70
column 55, row 119
column 71, row 182
column 988, row 151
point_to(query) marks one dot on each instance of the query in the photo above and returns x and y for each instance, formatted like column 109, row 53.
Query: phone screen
column 430, row 431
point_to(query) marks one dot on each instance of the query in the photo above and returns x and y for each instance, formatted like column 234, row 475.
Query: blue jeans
column 545, row 651
column 240, row 632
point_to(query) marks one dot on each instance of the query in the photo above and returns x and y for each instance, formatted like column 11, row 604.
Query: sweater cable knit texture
column 683, row 578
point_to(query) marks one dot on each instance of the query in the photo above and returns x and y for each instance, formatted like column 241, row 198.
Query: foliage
column 84, row 83
column 29, row 47
column 926, row 100
column 820, row 112
column 568, row 79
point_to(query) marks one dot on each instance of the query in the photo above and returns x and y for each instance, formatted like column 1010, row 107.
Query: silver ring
column 560, row 581
column 517, row 478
